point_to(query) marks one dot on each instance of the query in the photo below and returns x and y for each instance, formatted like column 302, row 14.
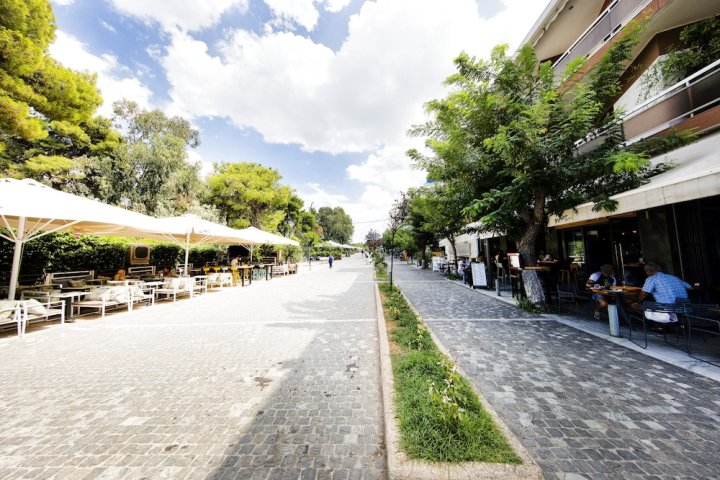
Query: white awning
column 29, row 210
column 261, row 236
column 696, row 175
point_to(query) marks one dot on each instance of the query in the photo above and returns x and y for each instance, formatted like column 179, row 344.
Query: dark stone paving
column 580, row 405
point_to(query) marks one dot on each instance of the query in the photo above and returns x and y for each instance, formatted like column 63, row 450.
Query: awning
column 187, row 230
column 29, row 209
column 696, row 175
column 261, row 236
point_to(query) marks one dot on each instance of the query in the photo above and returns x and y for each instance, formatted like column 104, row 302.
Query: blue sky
column 321, row 90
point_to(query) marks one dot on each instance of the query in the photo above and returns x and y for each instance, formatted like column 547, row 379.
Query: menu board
column 437, row 263
column 479, row 278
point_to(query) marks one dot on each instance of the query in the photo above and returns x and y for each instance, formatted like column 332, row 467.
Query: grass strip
column 440, row 417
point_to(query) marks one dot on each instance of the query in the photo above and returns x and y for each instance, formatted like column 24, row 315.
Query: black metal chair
column 663, row 314
column 568, row 293
column 704, row 318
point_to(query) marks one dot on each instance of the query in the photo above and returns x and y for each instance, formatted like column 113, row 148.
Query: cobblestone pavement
column 279, row 380
column 583, row 407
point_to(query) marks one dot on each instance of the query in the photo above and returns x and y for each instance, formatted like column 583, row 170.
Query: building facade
column 674, row 219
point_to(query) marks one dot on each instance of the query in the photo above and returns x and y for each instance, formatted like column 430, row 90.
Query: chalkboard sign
column 478, row 275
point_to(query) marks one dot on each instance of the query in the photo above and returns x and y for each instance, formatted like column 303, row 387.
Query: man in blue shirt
column 663, row 287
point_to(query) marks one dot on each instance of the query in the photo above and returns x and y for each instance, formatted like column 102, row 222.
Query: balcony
column 683, row 101
column 608, row 23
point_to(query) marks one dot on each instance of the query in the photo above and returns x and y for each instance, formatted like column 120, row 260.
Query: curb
column 401, row 468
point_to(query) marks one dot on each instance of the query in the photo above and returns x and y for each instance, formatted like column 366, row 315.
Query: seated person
column 235, row 261
column 120, row 275
column 663, row 287
column 168, row 272
column 605, row 278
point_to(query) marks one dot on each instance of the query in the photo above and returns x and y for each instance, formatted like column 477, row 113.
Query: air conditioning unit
column 139, row 255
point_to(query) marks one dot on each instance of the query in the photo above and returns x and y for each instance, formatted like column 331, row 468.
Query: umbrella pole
column 17, row 254
column 187, row 254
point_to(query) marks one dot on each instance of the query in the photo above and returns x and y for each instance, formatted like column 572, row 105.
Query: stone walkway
column 279, row 380
column 583, row 407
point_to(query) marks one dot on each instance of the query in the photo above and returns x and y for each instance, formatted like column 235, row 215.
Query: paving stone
column 258, row 382
column 618, row 413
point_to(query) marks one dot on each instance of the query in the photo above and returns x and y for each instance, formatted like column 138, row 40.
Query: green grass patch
column 528, row 306
column 440, row 417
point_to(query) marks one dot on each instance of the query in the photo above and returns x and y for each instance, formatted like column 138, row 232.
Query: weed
column 440, row 417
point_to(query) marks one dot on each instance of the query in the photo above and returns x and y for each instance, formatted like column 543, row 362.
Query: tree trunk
column 454, row 249
column 534, row 221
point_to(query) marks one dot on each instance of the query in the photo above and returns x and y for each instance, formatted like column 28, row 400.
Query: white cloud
column 185, row 14
column 111, row 76
column 303, row 12
column 107, row 26
column 361, row 98
column 369, row 211
column 206, row 168
column 64, row 2
column 314, row 195
column 336, row 5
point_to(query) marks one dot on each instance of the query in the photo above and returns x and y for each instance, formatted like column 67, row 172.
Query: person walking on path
column 331, row 259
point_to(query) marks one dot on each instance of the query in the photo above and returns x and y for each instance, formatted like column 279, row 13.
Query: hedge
column 63, row 252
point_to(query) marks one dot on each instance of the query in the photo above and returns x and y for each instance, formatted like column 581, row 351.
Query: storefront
column 672, row 220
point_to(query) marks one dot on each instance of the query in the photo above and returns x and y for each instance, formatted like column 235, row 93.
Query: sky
column 324, row 91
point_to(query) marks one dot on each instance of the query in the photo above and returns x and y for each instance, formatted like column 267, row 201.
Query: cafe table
column 243, row 269
column 616, row 294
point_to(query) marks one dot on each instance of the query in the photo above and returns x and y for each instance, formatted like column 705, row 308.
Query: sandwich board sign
column 479, row 277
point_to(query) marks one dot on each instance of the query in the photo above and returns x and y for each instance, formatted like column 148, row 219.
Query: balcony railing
column 610, row 21
column 693, row 95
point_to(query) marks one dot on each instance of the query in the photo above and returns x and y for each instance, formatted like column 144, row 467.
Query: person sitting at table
column 663, row 287
column 235, row 261
column 606, row 279
column 120, row 275
column 168, row 272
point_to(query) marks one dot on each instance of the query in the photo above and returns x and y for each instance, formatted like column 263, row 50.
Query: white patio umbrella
column 334, row 244
column 29, row 210
column 265, row 238
column 193, row 230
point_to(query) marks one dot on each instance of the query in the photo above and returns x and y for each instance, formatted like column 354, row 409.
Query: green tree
column 290, row 222
column 440, row 209
column 151, row 171
column 336, row 224
column 47, row 129
column 249, row 194
column 508, row 120
column 307, row 231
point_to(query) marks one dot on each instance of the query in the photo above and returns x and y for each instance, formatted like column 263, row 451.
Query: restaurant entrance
column 616, row 242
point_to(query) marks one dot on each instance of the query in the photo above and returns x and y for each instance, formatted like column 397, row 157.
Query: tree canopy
column 46, row 110
column 336, row 224
column 506, row 134
column 150, row 169
column 248, row 194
